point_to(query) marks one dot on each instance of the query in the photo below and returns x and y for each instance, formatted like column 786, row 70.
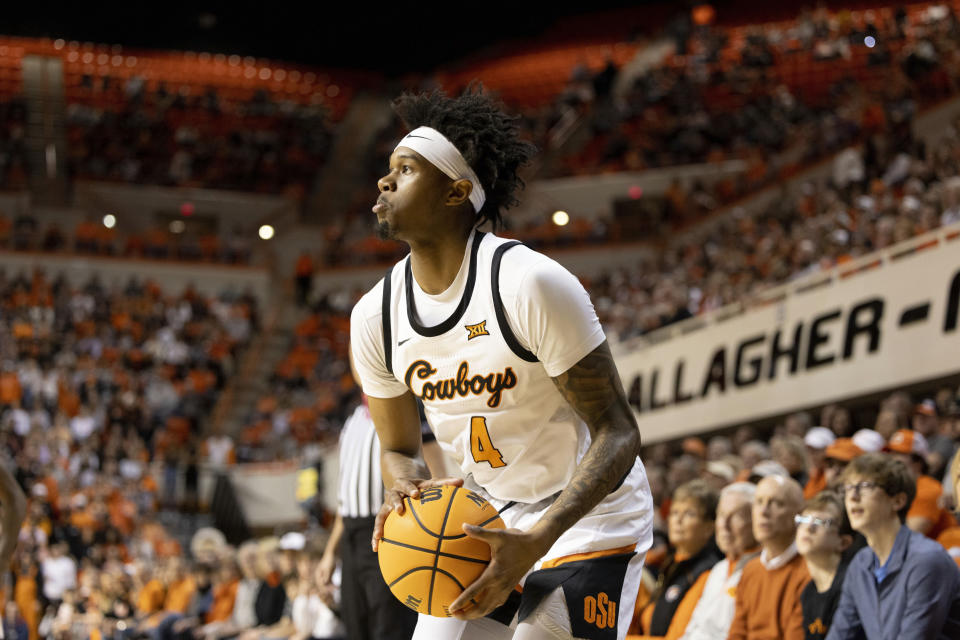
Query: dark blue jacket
column 918, row 599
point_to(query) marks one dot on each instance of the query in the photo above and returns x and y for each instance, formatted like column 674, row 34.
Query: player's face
column 410, row 195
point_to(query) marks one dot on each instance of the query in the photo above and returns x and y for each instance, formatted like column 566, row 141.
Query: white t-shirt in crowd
column 59, row 575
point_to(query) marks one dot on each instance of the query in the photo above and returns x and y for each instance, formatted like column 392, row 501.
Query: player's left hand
column 512, row 554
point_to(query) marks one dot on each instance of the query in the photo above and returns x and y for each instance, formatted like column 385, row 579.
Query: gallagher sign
column 866, row 331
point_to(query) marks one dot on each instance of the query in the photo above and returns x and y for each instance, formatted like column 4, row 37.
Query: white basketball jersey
column 490, row 402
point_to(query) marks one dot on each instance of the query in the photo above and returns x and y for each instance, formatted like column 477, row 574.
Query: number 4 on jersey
column 480, row 445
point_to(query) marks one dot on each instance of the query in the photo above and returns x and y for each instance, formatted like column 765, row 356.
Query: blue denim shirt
column 919, row 598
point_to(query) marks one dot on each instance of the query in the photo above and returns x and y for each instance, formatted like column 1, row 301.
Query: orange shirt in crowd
column 816, row 484
column 304, row 266
column 167, row 548
column 224, row 595
column 681, row 617
column 25, row 595
column 202, row 380
column 950, row 539
column 927, row 505
column 123, row 514
column 768, row 602
column 86, row 231
column 10, row 390
column 179, row 595
column 150, row 598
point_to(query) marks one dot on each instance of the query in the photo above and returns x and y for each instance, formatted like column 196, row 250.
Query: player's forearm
column 399, row 465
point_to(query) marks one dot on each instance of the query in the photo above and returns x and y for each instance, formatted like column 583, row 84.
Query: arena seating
column 190, row 119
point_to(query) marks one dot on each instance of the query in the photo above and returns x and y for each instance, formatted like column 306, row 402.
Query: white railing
column 771, row 295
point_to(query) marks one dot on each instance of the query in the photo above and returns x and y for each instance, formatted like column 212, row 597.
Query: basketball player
column 504, row 348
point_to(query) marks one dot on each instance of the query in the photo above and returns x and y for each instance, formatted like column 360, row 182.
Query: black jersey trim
column 505, row 330
column 449, row 323
column 385, row 321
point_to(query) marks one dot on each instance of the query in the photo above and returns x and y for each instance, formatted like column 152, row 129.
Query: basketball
column 425, row 557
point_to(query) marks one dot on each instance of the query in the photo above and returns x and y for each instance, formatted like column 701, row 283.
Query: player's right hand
column 393, row 499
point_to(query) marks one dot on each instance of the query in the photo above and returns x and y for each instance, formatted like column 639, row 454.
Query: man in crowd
column 823, row 533
column 768, row 597
column 714, row 610
column 839, row 454
column 904, row 585
column 925, row 514
column 817, row 440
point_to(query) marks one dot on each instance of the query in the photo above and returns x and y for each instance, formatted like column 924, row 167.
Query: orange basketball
column 425, row 557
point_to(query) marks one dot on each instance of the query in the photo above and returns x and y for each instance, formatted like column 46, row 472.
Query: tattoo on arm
column 593, row 388
column 594, row 391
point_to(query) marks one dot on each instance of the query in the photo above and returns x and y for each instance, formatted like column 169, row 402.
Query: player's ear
column 460, row 191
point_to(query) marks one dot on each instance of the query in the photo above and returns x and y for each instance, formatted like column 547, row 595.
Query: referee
column 368, row 609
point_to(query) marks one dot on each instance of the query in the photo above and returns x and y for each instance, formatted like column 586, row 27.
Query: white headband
column 440, row 152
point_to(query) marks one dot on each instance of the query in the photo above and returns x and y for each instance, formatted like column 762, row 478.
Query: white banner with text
column 893, row 325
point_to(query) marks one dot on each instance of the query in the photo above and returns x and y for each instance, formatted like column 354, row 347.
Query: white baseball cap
column 819, row 438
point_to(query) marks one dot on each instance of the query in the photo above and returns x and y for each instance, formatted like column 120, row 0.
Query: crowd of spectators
column 269, row 588
column 103, row 394
column 726, row 94
column 892, row 189
column 786, row 536
column 166, row 137
column 311, row 391
column 175, row 242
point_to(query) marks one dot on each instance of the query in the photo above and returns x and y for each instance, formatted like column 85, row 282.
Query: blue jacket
column 919, row 598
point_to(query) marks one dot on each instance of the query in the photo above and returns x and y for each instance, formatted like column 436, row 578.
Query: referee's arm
column 328, row 562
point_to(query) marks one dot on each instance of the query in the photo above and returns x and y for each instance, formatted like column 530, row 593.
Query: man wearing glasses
column 903, row 585
column 823, row 534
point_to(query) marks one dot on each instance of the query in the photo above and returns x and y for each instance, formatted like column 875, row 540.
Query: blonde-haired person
column 693, row 552
column 955, row 480
column 950, row 539
column 713, row 611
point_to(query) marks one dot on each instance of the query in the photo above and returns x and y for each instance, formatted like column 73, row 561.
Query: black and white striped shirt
column 361, row 484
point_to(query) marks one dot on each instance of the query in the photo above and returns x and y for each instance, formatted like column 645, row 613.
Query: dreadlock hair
column 477, row 125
